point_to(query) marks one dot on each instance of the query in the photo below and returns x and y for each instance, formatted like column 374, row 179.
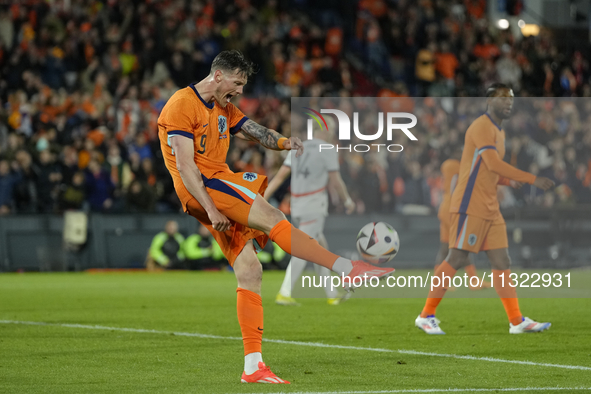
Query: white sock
column 297, row 268
column 342, row 266
column 251, row 362
column 285, row 289
column 323, row 272
column 292, row 274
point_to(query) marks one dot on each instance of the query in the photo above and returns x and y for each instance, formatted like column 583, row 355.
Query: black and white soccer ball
column 378, row 243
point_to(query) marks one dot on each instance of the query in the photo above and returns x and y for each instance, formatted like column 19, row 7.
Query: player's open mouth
column 229, row 97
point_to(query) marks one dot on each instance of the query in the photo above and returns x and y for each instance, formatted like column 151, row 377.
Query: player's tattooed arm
column 264, row 136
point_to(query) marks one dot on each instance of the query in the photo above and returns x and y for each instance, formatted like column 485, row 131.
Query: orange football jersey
column 476, row 191
column 208, row 125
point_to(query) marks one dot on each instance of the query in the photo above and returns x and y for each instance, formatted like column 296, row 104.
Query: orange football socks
column 250, row 318
column 508, row 295
column 435, row 295
column 301, row 244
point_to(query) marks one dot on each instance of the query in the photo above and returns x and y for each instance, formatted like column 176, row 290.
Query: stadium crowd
column 82, row 84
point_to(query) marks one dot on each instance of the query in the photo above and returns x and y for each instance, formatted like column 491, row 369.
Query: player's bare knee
column 263, row 216
column 505, row 265
column 277, row 216
column 273, row 217
column 457, row 258
column 250, row 273
column 499, row 259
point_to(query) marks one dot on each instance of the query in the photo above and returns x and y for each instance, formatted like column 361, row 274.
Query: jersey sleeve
column 450, row 170
column 504, row 181
column 180, row 118
column 484, row 140
column 236, row 118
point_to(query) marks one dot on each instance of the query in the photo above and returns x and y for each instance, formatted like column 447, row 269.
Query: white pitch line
column 297, row 343
column 440, row 390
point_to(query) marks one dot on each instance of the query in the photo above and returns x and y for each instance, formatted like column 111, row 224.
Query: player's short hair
column 492, row 89
column 232, row 60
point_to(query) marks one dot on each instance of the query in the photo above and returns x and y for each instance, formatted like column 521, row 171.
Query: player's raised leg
column 263, row 216
column 249, row 306
column 501, row 269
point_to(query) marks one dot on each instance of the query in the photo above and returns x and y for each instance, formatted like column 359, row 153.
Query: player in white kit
column 312, row 173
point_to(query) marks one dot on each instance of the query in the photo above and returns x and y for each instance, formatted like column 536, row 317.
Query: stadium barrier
column 557, row 238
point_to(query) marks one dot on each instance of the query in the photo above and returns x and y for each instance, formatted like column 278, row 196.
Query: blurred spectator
column 69, row 165
column 416, row 190
column 140, row 197
column 25, row 193
column 446, row 63
column 119, row 170
column 425, row 68
column 486, row 49
column 141, row 147
column 91, row 89
column 8, row 180
column 48, row 181
column 99, row 187
column 255, row 164
column 202, row 251
column 373, row 184
column 73, row 194
column 508, row 70
column 165, row 250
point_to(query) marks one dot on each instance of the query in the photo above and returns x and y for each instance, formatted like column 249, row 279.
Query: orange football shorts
column 475, row 234
column 233, row 195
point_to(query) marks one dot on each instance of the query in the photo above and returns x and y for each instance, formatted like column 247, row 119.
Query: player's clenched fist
column 543, row 183
column 219, row 221
column 294, row 143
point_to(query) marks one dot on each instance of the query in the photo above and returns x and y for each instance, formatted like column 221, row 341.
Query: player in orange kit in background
column 194, row 129
column 449, row 171
column 476, row 220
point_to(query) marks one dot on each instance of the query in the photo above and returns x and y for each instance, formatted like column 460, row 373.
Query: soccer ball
column 378, row 243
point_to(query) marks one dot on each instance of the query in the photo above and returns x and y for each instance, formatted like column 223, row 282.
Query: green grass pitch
column 64, row 358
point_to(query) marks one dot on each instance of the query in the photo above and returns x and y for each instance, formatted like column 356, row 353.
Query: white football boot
column 429, row 324
column 528, row 325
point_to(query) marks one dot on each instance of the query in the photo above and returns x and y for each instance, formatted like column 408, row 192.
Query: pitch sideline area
column 177, row 332
column 505, row 390
column 296, row 343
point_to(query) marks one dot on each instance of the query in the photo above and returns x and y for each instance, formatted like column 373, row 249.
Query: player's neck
column 205, row 88
column 498, row 121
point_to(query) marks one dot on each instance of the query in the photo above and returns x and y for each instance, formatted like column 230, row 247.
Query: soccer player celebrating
column 476, row 220
column 311, row 173
column 194, row 128
column 450, row 170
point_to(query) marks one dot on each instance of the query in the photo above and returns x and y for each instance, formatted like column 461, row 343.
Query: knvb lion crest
column 249, row 176
column 472, row 239
column 222, row 124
